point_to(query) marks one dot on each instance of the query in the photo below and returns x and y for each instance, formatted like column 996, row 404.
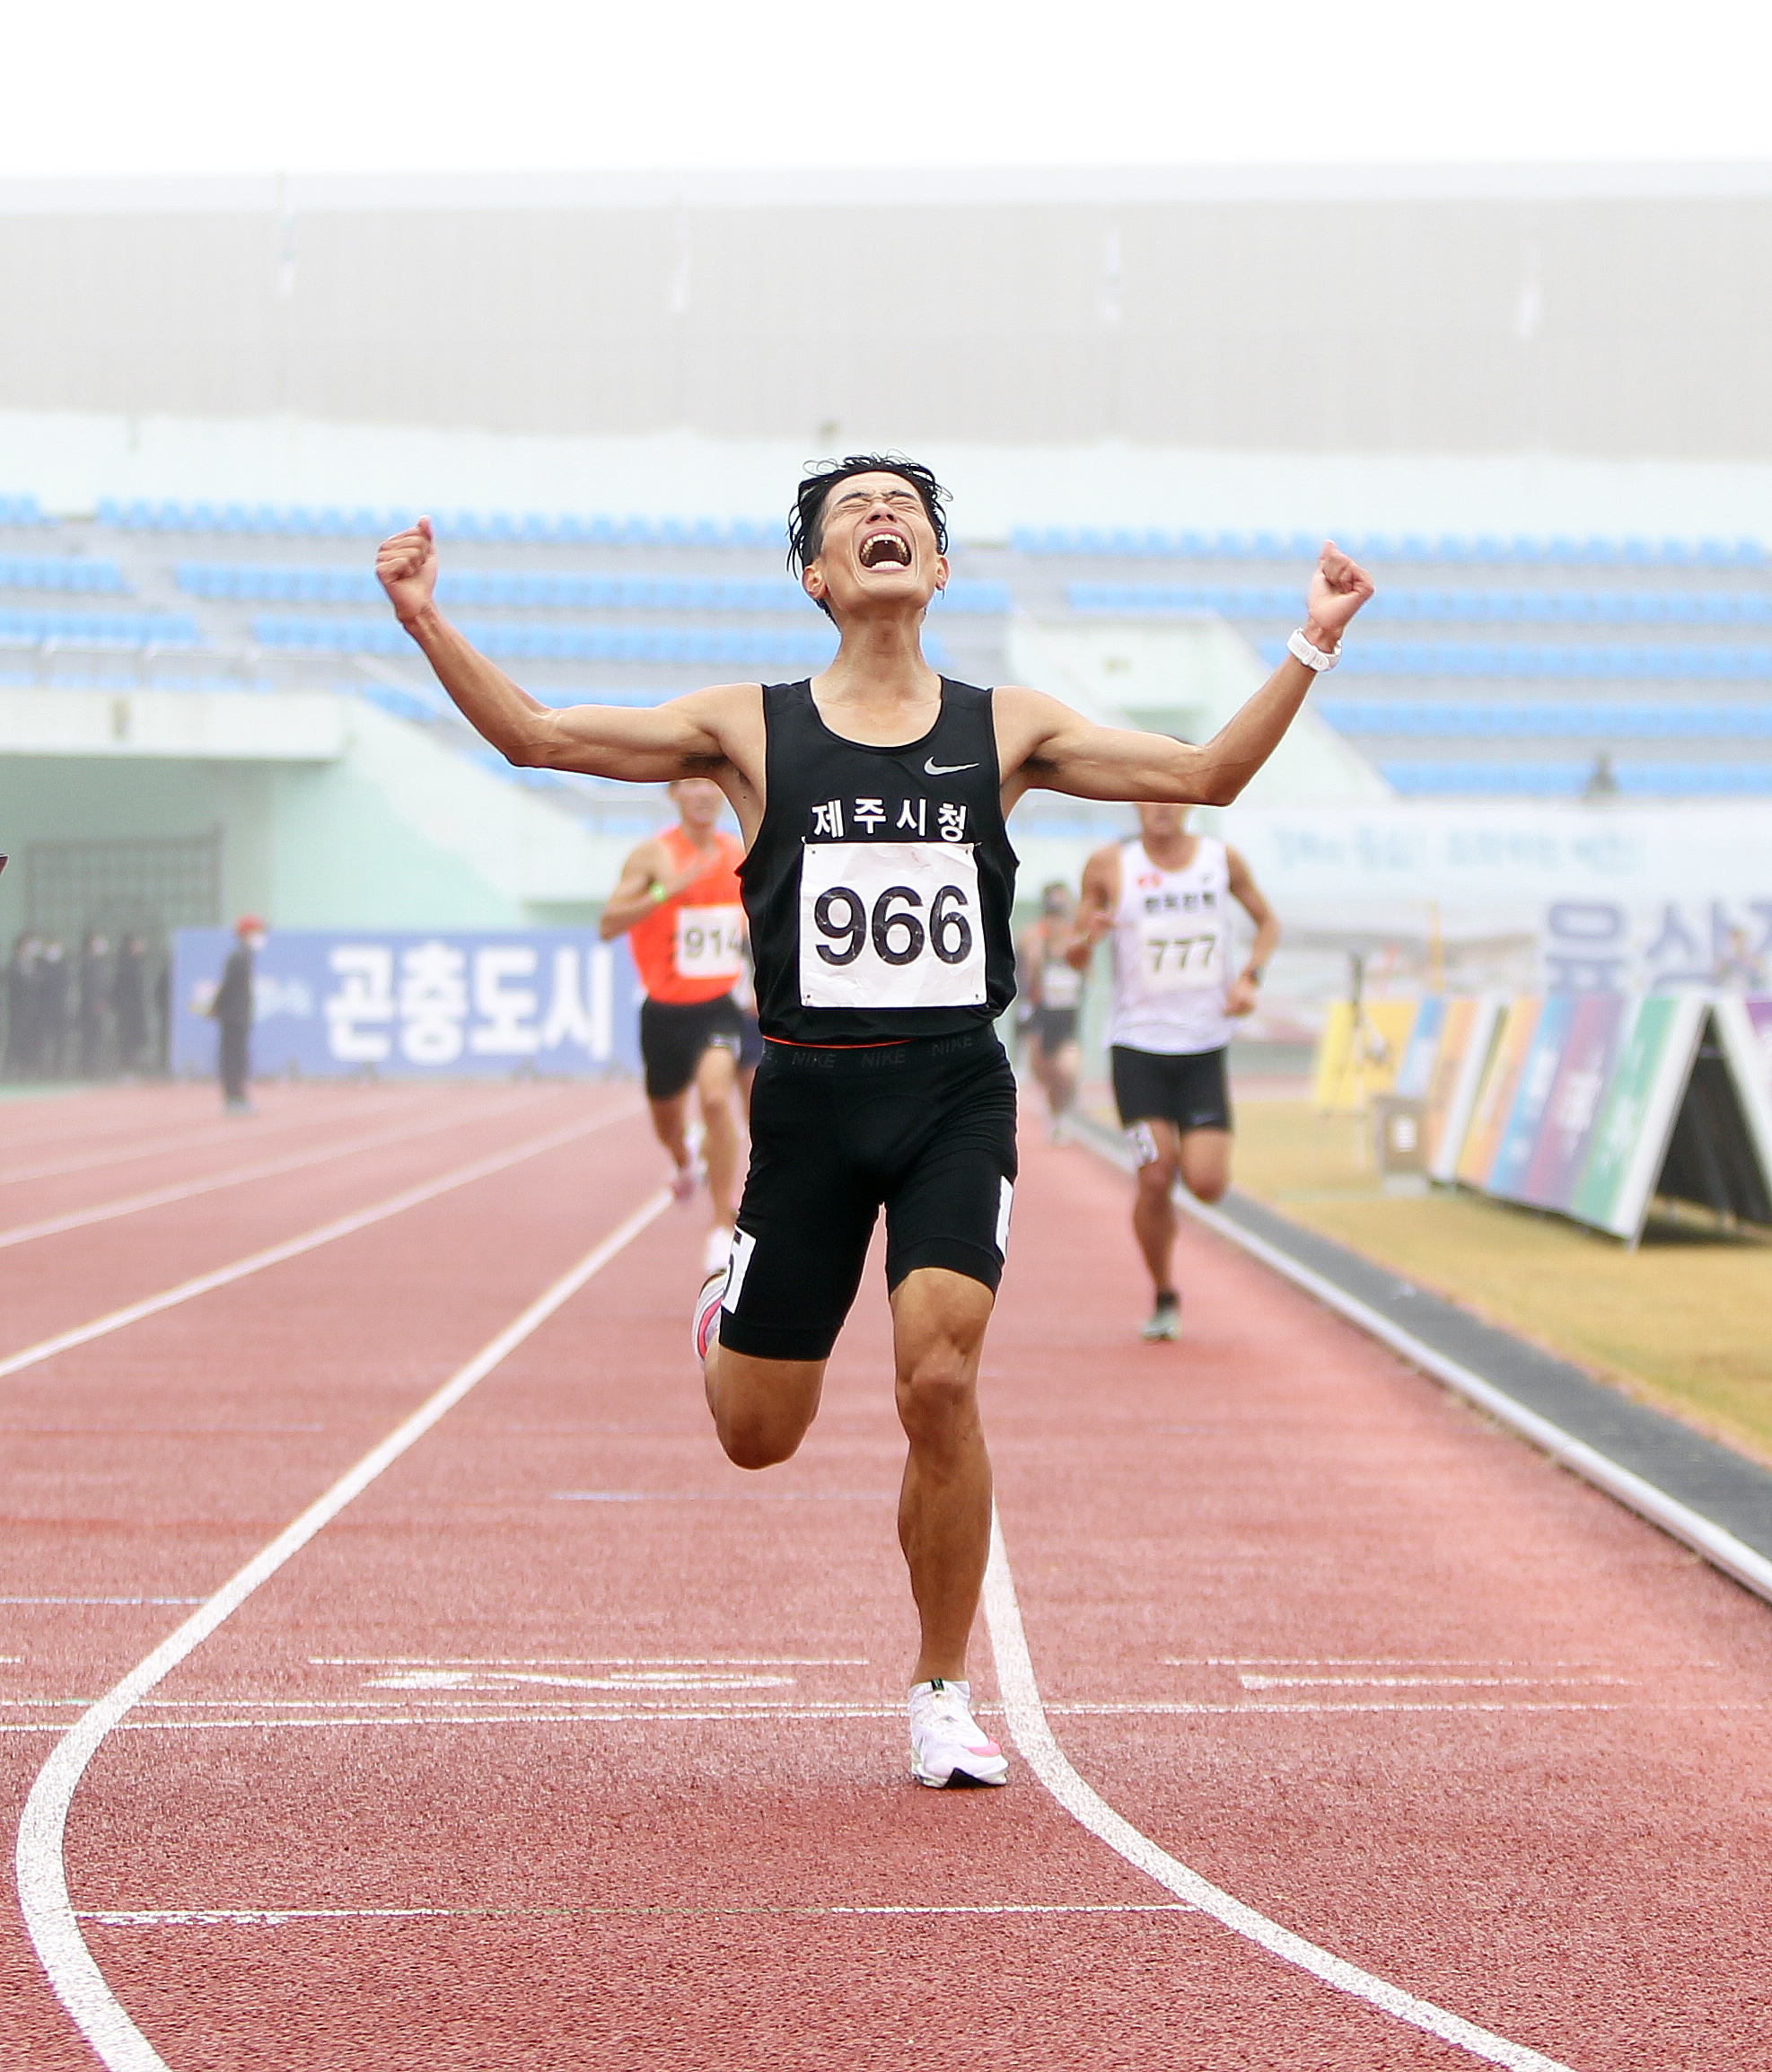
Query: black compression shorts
column 1186, row 1089
column 926, row 1130
column 1052, row 1028
column 673, row 1036
column 750, row 1045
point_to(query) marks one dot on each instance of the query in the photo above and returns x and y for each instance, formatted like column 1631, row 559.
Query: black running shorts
column 674, row 1035
column 1052, row 1028
column 926, row 1130
column 1186, row 1089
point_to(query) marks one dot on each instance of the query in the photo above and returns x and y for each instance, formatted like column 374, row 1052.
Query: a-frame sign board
column 1685, row 1114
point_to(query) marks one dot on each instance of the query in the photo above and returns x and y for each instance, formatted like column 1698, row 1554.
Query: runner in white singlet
column 1166, row 899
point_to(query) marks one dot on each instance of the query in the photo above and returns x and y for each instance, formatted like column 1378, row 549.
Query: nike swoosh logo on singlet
column 931, row 767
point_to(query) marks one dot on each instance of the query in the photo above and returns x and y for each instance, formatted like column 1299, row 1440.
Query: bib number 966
column 890, row 925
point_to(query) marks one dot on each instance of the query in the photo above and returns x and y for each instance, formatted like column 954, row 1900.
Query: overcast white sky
column 114, row 86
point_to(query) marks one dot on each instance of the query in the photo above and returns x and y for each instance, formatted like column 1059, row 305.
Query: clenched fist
column 405, row 567
column 1337, row 590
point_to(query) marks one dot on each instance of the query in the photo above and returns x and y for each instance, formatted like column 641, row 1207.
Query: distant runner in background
column 1052, row 987
column 678, row 903
column 1165, row 900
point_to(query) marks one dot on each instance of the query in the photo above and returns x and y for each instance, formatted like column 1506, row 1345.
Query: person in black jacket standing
column 232, row 1010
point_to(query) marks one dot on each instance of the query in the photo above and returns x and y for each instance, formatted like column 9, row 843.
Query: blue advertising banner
column 1514, row 1152
column 1415, row 1075
column 445, row 1004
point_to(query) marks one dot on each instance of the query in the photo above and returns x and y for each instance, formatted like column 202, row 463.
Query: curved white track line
column 294, row 1247
column 1026, row 1718
column 42, row 1878
column 237, row 1176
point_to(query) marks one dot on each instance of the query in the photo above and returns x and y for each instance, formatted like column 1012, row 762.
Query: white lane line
column 585, row 1661
column 42, row 1877
column 1376, row 1661
column 196, row 1139
column 293, row 1248
column 417, row 1710
column 1719, row 1547
column 1435, row 1682
column 1027, row 1722
column 633, row 1685
column 724, row 1496
column 100, row 1600
column 238, row 1175
column 277, row 1917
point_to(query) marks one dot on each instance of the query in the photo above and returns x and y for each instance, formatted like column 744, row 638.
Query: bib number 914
column 890, row 925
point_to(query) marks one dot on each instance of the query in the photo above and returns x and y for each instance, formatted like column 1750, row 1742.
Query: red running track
column 567, row 1745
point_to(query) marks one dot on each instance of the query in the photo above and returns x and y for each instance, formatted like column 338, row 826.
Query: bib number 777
column 890, row 925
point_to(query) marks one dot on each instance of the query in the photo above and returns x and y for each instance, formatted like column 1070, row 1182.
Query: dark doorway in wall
column 85, row 992
column 146, row 887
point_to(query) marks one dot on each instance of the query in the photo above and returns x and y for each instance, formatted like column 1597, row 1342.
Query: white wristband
column 1313, row 658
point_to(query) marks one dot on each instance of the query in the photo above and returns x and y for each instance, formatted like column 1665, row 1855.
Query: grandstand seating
column 64, row 572
column 1242, row 600
column 101, row 629
column 509, row 641
column 314, row 583
column 1566, row 719
column 1592, row 661
column 1475, row 657
column 1670, row 780
column 530, row 529
column 1444, row 549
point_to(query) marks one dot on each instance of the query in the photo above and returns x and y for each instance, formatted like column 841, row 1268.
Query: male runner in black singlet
column 878, row 882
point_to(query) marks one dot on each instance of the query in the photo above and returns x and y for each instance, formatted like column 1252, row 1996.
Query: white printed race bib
column 1177, row 957
column 710, row 942
column 1060, row 986
column 890, row 925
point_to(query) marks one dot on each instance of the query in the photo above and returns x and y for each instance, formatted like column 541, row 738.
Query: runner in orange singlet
column 677, row 901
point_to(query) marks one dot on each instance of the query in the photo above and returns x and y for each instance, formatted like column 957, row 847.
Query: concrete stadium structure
column 1613, row 312
column 1532, row 398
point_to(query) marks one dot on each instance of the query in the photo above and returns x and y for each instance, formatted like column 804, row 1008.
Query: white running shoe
column 685, row 1180
column 707, row 1312
column 718, row 1248
column 1165, row 1319
column 948, row 1747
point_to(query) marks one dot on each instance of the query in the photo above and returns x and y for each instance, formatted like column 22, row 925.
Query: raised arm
column 1044, row 745
column 687, row 737
column 1247, row 893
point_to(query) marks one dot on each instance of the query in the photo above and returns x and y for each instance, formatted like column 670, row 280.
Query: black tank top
column 880, row 885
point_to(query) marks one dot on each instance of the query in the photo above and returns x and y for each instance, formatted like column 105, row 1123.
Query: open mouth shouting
column 885, row 549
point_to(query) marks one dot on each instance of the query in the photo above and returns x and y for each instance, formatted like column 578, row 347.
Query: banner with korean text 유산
column 444, row 1004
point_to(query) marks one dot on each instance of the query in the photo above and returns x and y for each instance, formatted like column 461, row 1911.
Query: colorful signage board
column 1573, row 1109
column 1525, row 1115
column 446, row 1005
column 1467, row 1038
column 1744, row 1036
column 1495, row 1100
column 1637, row 1116
column 1415, row 1074
column 1359, row 1052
